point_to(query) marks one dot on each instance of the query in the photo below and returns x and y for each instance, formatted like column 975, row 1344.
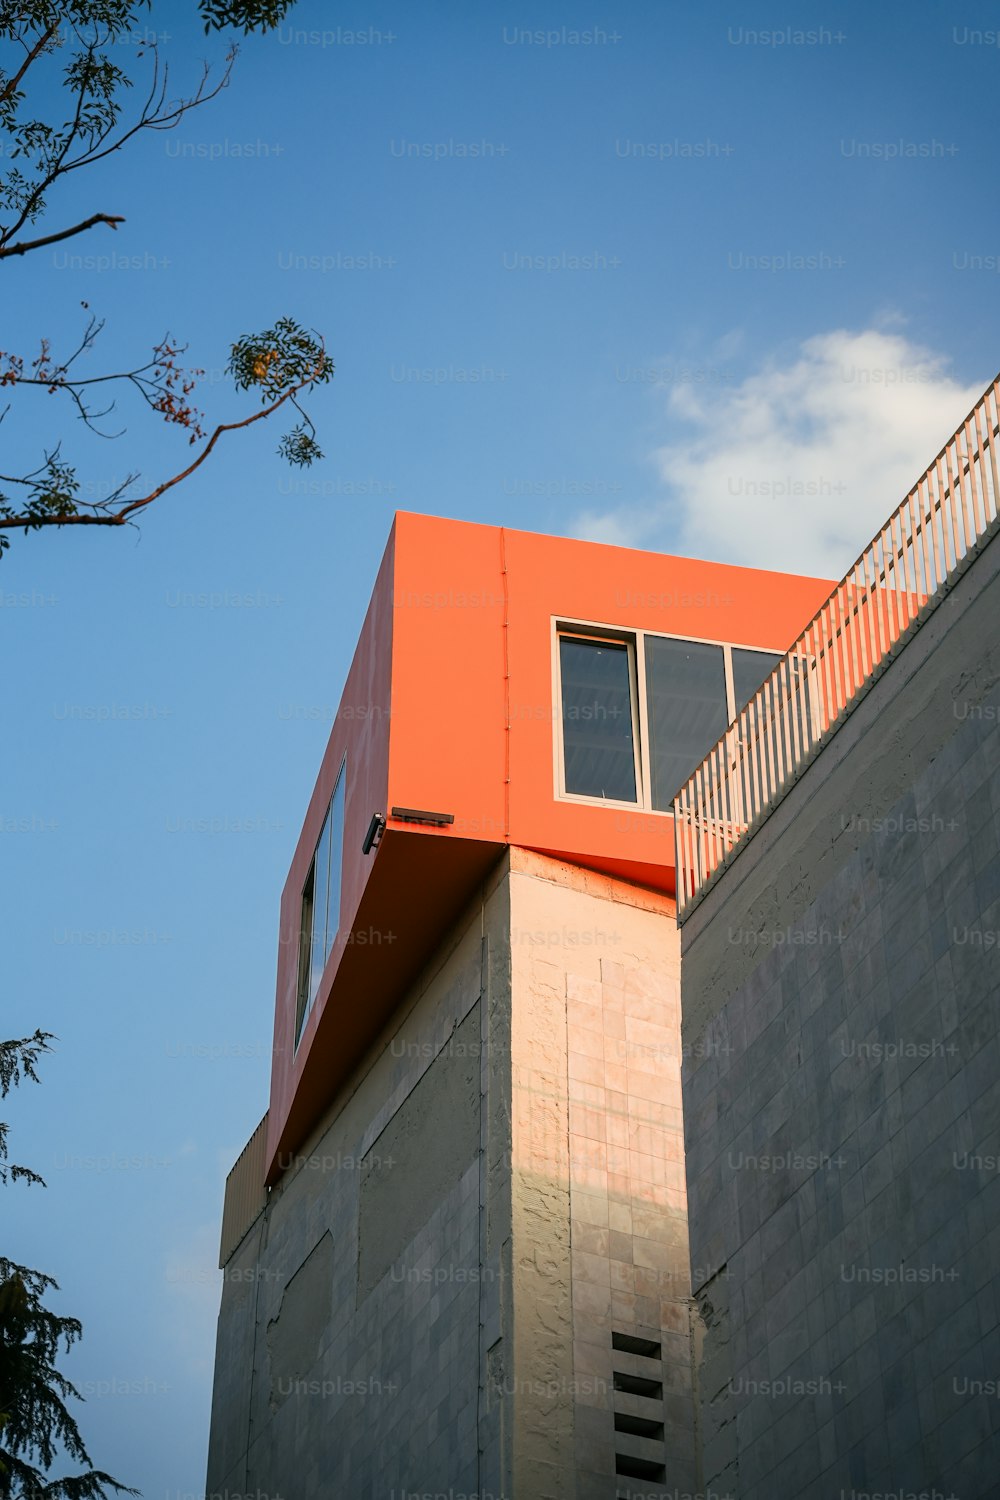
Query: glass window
column 598, row 741
column 623, row 745
column 787, row 713
column 305, row 951
column 801, row 702
column 321, row 886
column 321, row 905
column 750, row 670
column 335, row 817
column 686, row 703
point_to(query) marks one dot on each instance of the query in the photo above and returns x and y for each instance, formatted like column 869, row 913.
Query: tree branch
column 222, row 427
column 151, row 117
column 119, row 517
column 23, row 246
column 30, row 207
column 43, row 41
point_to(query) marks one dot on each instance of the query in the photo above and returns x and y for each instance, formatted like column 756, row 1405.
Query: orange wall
column 448, row 747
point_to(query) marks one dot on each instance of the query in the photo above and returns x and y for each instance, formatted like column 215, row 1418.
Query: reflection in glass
column 335, row 818
column 321, row 905
column 686, row 699
column 598, row 747
column 321, row 866
column 750, row 670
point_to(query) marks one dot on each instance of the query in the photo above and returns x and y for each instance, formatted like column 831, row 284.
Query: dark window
column 336, row 816
column 610, row 728
column 598, row 745
column 686, row 702
column 320, row 906
column 750, row 670
column 305, row 951
column 790, row 704
column 321, row 891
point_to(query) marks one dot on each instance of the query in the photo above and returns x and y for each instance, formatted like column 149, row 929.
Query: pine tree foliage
column 37, row 1430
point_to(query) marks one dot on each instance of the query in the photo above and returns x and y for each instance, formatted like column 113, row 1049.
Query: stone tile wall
column 841, row 990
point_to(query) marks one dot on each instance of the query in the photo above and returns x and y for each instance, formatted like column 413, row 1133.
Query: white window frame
column 635, row 640
column 596, row 633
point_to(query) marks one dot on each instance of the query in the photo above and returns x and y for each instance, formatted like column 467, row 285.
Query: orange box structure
column 450, row 712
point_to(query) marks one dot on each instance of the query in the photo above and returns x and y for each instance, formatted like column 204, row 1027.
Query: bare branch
column 23, row 246
column 156, row 121
column 119, row 517
column 162, row 382
column 223, row 427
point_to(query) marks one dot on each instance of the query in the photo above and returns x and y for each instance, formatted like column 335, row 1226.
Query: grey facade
column 842, row 1097
column 474, row 1278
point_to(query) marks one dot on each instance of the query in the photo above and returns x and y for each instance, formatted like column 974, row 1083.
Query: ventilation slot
column 637, row 1382
column 638, row 1426
column 636, row 1385
column 629, row 1344
column 639, row 1468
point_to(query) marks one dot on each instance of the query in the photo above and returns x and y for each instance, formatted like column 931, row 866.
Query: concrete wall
column 842, row 1098
column 598, row 1195
column 349, row 1357
column 428, row 1301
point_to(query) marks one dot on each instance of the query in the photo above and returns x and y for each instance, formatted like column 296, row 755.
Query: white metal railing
column 920, row 547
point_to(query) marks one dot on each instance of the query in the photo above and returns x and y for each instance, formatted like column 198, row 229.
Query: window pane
column 598, row 750
column 750, row 669
column 305, row 951
column 319, row 951
column 794, row 714
column 335, row 818
column 686, row 697
column 321, row 904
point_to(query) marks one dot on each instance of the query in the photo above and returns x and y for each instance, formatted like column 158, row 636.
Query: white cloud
column 796, row 467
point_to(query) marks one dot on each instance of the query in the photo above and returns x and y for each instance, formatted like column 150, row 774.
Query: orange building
column 456, row 1248
column 485, row 1243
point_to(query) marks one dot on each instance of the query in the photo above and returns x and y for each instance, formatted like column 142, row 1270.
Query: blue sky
column 704, row 285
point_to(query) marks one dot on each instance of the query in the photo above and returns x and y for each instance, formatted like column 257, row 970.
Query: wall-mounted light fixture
column 374, row 833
